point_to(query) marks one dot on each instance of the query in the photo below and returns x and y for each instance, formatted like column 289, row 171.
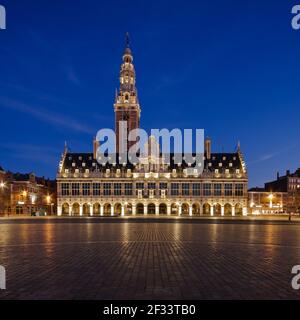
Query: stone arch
column 185, row 208
column 163, row 208
column 238, row 209
column 107, row 209
column 174, row 208
column 217, row 209
column 117, row 208
column 151, row 208
column 85, row 209
column 128, row 208
column 228, row 209
column 96, row 208
column 75, row 209
column 206, row 208
column 65, row 209
column 140, row 208
column 196, row 208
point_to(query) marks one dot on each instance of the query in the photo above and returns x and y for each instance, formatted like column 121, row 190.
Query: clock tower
column 127, row 108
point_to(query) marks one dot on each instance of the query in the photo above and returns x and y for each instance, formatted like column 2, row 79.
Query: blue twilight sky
column 231, row 67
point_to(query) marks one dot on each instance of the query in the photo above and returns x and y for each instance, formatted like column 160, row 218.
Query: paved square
column 103, row 259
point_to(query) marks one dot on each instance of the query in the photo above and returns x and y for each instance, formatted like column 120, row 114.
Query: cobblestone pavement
column 148, row 260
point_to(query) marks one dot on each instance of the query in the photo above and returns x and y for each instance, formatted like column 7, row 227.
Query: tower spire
column 127, row 40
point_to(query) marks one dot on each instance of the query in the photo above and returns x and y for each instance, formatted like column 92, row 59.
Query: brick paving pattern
column 148, row 260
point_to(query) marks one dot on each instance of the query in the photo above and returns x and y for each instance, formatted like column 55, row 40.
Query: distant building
column 289, row 183
column 26, row 194
column 262, row 201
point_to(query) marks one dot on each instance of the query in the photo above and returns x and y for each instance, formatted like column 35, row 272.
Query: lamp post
column 2, row 187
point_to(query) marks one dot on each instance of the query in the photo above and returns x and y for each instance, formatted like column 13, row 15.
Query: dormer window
column 80, row 158
column 83, row 164
column 230, row 164
column 73, row 164
column 220, row 164
column 224, row 158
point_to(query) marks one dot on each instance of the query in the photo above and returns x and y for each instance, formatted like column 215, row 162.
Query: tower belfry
column 127, row 108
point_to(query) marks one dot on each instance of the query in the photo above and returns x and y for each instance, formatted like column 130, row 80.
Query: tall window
column 151, row 185
column 228, row 189
column 106, row 189
column 117, row 189
column 185, row 189
column 128, row 189
column 174, row 189
column 65, row 190
column 86, row 189
column 217, row 189
column 163, row 186
column 75, row 189
column 139, row 188
column 239, row 189
column 207, row 189
column 196, row 189
column 96, row 189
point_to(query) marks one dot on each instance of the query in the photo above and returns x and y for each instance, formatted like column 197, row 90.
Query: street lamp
column 2, row 185
column 271, row 197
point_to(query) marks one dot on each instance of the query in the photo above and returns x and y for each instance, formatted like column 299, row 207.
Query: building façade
column 151, row 186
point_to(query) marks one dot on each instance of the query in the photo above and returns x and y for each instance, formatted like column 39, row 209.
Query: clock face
column 125, row 116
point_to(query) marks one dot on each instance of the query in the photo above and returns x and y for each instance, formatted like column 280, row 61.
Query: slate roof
column 82, row 161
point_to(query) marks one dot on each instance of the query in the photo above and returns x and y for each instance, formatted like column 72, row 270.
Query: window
column 163, row 185
column 65, row 189
column 117, row 189
column 185, row 189
column 86, row 189
column 239, row 190
column 207, row 189
column 128, row 189
column 196, row 189
column 75, row 189
column 96, row 189
column 228, row 189
column 140, row 185
column 151, row 185
column 174, row 189
column 217, row 189
column 106, row 189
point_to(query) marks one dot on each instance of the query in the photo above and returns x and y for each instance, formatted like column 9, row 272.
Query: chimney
column 208, row 148
column 95, row 148
column 277, row 175
column 288, row 173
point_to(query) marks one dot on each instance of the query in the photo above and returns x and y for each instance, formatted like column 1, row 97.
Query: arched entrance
column 206, row 208
column 128, row 208
column 85, row 209
column 228, row 209
column 140, row 208
column 238, row 209
column 196, row 209
column 75, row 209
column 174, row 209
column 107, row 209
column 185, row 209
column 117, row 209
column 151, row 208
column 96, row 209
column 65, row 209
column 162, row 208
column 217, row 209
